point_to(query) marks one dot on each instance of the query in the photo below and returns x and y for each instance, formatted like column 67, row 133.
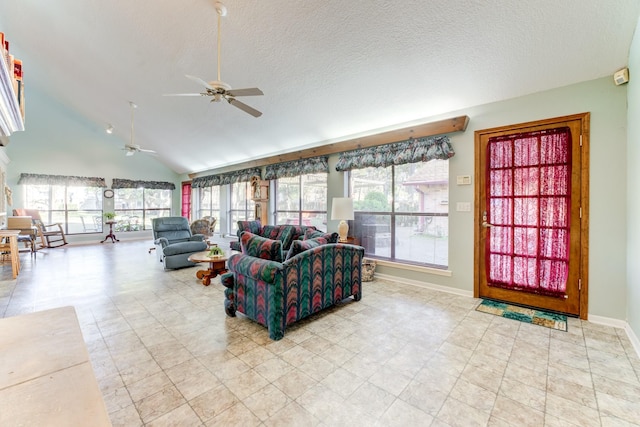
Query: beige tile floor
column 164, row 353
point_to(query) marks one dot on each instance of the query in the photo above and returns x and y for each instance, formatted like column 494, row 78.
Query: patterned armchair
column 277, row 294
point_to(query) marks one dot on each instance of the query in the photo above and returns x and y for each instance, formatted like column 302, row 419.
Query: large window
column 302, row 200
column 136, row 207
column 241, row 205
column 208, row 202
column 402, row 212
column 77, row 208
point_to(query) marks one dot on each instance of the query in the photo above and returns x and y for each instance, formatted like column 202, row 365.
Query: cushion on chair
column 284, row 233
column 254, row 227
column 299, row 246
column 184, row 247
column 260, row 247
column 312, row 234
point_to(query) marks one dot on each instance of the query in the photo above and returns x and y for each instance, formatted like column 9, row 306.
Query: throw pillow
column 312, row 234
column 299, row 246
column 254, row 226
column 284, row 233
column 260, row 247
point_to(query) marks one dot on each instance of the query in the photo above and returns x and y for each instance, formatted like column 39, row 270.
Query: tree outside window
column 402, row 212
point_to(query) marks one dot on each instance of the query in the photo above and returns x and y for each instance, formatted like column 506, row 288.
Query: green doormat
column 527, row 315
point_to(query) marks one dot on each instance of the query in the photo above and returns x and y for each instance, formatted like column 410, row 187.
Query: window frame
column 300, row 212
column 393, row 213
column 145, row 223
column 49, row 215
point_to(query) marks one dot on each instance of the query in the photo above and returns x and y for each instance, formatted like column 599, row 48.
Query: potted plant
column 109, row 216
column 216, row 251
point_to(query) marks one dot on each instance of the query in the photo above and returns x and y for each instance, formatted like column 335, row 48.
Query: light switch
column 463, row 207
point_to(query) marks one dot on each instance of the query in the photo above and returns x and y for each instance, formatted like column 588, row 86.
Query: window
column 136, row 207
column 241, row 205
column 209, row 202
column 77, row 208
column 302, row 200
column 186, row 200
column 402, row 212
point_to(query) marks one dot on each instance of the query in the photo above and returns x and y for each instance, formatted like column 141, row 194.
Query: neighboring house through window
column 400, row 195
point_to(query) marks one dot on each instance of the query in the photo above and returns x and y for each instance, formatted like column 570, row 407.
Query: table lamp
column 342, row 209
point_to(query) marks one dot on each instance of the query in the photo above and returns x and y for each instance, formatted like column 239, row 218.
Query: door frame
column 479, row 232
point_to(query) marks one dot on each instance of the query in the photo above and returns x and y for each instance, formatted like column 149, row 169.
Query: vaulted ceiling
column 329, row 69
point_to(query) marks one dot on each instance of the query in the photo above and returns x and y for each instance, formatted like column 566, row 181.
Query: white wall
column 633, row 187
column 58, row 141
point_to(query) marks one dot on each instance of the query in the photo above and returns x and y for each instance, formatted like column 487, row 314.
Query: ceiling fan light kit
column 217, row 89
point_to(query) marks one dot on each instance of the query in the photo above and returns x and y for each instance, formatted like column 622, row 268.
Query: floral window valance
column 297, row 168
column 398, row 153
column 243, row 175
column 151, row 185
column 71, row 181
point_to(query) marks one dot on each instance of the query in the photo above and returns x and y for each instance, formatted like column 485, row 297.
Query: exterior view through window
column 242, row 207
column 302, row 200
column 402, row 212
column 209, row 203
column 136, row 207
column 77, row 208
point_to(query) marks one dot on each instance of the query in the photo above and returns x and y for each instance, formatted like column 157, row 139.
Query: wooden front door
column 531, row 219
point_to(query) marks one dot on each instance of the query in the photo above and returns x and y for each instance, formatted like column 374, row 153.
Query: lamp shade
column 342, row 208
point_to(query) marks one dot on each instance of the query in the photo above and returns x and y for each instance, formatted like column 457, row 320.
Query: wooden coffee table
column 217, row 265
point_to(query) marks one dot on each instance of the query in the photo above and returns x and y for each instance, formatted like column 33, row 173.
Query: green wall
column 608, row 182
column 608, row 187
column 633, row 188
column 58, row 141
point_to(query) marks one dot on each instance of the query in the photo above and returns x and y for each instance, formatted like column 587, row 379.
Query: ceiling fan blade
column 200, row 81
column 244, row 107
column 254, row 91
column 184, row 94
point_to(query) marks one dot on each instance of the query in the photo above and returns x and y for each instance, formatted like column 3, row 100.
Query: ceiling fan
column 219, row 90
column 131, row 148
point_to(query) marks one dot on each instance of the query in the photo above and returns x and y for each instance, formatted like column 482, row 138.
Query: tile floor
column 164, row 353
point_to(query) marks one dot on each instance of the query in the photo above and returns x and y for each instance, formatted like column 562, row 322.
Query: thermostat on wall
column 463, row 179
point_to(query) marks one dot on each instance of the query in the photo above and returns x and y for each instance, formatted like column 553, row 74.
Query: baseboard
column 621, row 324
column 606, row 321
column 425, row 285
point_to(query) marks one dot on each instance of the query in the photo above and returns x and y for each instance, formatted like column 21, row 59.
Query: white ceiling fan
column 219, row 90
column 131, row 148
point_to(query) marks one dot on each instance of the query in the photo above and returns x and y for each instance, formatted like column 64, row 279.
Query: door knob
column 484, row 220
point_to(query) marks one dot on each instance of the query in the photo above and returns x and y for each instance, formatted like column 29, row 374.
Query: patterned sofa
column 277, row 294
column 273, row 232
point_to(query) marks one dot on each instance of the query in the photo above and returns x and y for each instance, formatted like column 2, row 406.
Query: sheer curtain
column 528, row 204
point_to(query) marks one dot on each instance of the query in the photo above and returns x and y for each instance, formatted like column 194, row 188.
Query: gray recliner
column 174, row 241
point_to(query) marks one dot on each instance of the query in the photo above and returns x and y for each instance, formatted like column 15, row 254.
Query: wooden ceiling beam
column 451, row 125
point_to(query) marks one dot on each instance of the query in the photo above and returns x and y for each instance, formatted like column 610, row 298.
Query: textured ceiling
column 329, row 69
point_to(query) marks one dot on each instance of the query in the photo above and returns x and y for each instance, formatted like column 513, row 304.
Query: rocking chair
column 51, row 235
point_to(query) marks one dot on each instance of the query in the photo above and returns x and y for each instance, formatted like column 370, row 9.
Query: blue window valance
column 243, row 175
column 71, row 181
column 297, row 168
column 398, row 153
column 151, row 185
